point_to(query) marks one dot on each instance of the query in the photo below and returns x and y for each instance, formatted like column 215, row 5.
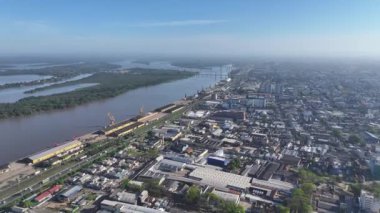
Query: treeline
column 31, row 83
column 65, row 70
column 109, row 85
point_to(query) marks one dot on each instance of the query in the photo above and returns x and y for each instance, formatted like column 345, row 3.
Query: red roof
column 42, row 196
column 54, row 189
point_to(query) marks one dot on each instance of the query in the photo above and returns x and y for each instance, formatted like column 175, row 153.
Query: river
column 26, row 135
column 12, row 95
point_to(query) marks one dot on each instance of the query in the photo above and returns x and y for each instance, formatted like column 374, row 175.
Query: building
column 48, row 193
column 179, row 147
column 368, row 202
column 128, row 129
column 49, row 153
column 217, row 161
column 115, row 206
column 171, row 166
column 370, row 138
column 257, row 102
column 273, row 184
column 227, row 196
column 43, row 196
column 143, row 196
column 69, row 194
column 220, row 179
column 165, row 108
column 126, row 197
column 230, row 115
column 260, row 138
column 168, row 133
column 113, row 128
column 374, row 165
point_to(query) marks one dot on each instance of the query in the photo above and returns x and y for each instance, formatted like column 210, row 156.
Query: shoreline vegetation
column 57, row 73
column 109, row 84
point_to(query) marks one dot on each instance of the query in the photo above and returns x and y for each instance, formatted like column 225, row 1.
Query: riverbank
column 24, row 135
column 51, row 74
column 108, row 84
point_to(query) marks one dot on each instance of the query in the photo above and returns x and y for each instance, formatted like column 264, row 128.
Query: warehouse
column 220, row 179
column 164, row 108
column 115, row 206
column 127, row 129
column 111, row 129
column 70, row 194
column 173, row 109
column 49, row 153
column 151, row 116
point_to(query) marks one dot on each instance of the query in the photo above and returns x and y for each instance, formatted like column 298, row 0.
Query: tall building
column 368, row 202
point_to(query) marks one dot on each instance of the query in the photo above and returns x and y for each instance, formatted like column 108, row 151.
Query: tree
column 299, row 202
column 231, row 207
column 151, row 153
column 27, row 204
column 91, row 196
column 356, row 188
column 308, row 176
column 308, row 188
column 234, row 164
column 337, row 133
column 354, row 139
column 153, row 188
column 125, row 183
column 283, row 209
column 193, row 195
column 60, row 181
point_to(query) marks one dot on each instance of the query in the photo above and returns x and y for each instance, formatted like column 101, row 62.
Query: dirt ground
column 16, row 171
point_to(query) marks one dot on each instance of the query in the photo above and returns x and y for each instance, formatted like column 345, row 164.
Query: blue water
column 12, row 95
column 9, row 79
column 26, row 135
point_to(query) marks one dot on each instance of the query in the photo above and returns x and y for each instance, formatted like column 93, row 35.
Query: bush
column 193, row 195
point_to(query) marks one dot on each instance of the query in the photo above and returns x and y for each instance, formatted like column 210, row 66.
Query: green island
column 57, row 73
column 65, row 70
column 109, row 84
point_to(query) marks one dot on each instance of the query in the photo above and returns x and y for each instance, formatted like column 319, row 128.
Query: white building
column 227, row 196
column 220, row 179
column 115, row 206
column 368, row 202
column 257, row 102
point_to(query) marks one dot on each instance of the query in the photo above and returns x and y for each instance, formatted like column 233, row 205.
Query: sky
column 307, row 28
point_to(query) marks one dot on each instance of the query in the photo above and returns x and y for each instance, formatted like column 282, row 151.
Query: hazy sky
column 192, row 27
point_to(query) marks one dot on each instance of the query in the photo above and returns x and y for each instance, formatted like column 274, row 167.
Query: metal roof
column 54, row 149
column 220, row 179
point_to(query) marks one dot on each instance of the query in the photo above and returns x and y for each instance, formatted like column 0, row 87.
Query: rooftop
column 220, row 179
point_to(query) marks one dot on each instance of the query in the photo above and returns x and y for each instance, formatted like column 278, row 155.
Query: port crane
column 111, row 119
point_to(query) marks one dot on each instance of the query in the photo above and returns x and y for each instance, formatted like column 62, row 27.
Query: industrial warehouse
column 63, row 149
column 127, row 126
